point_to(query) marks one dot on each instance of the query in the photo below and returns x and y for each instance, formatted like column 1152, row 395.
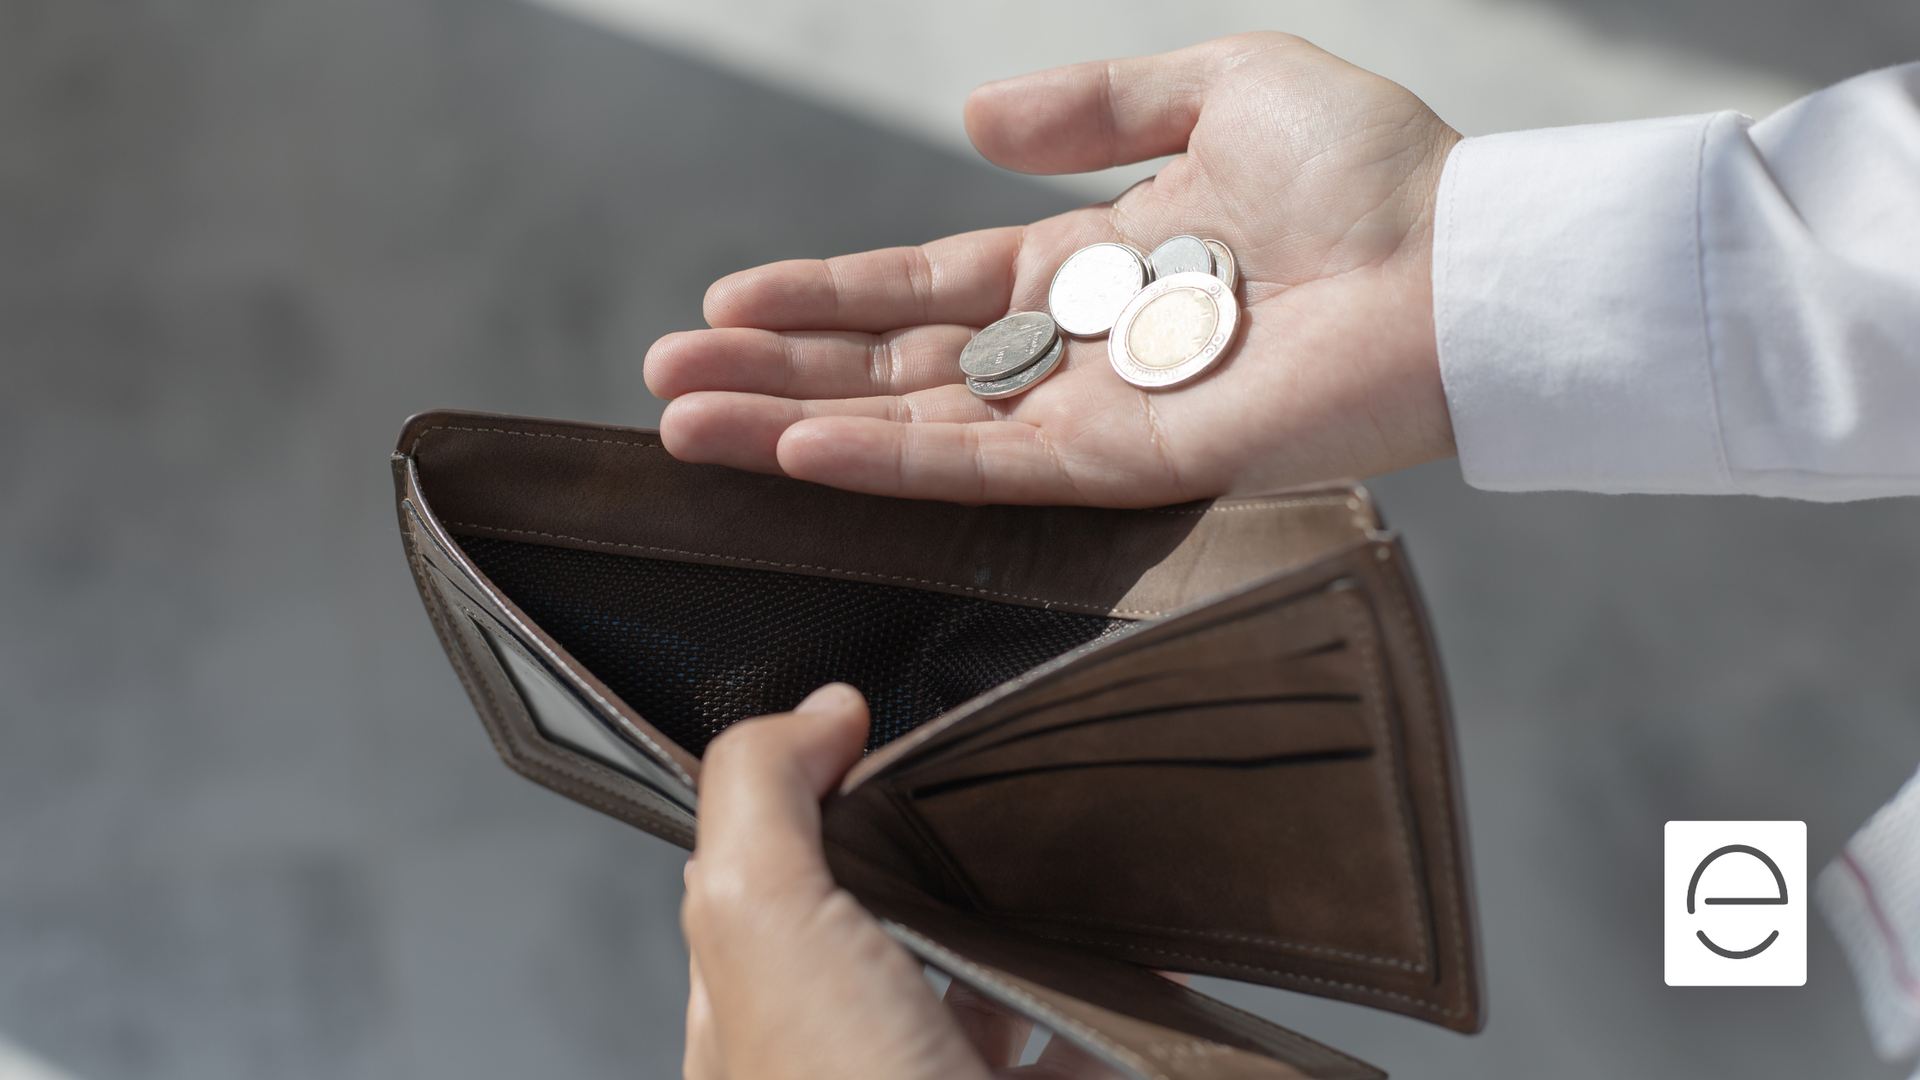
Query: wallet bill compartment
column 696, row 647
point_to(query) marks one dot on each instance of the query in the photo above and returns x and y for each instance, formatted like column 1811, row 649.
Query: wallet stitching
column 415, row 445
column 1418, row 1003
column 1224, row 935
column 443, row 629
column 1370, row 662
column 620, row 802
column 1441, row 789
column 809, row 566
column 1271, row 504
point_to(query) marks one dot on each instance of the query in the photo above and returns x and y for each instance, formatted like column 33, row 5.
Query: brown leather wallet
column 1208, row 738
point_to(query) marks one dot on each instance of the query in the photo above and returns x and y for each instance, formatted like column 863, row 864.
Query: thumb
column 761, row 782
column 1111, row 112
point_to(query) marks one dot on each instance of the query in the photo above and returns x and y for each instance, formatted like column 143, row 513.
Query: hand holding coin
column 1298, row 218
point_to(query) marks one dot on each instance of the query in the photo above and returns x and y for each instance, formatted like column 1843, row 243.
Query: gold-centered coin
column 1173, row 330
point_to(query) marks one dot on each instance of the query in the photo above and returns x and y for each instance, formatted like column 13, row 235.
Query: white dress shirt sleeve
column 1700, row 304
column 1870, row 895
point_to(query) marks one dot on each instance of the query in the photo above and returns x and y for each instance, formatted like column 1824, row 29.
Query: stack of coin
column 1010, row 356
column 1167, row 317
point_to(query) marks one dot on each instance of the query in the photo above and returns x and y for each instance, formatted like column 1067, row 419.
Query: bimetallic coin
column 1013, row 343
column 1181, row 255
column 1225, row 266
column 1173, row 330
column 1022, row 381
column 1092, row 286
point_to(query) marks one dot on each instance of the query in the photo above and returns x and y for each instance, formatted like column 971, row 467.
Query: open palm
column 1320, row 177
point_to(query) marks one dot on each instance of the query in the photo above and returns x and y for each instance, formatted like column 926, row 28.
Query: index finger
column 966, row 279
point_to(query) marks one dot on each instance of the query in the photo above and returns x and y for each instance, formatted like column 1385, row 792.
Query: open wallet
column 1208, row 738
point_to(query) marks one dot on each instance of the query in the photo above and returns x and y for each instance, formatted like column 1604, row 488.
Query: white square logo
column 1736, row 903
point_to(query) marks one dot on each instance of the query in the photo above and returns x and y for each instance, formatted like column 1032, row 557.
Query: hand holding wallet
column 1207, row 738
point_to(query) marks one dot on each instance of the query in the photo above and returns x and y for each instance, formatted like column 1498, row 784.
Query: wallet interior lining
column 694, row 647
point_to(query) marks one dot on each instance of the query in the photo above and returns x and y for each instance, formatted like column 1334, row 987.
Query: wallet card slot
column 1305, row 757
column 1246, row 730
column 1292, row 651
column 1279, row 842
column 1231, row 859
column 564, row 720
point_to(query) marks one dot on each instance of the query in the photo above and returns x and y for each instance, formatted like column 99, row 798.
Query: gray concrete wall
column 248, row 824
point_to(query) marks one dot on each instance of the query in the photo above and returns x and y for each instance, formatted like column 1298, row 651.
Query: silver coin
column 1181, row 255
column 1020, row 382
column 1092, row 286
column 1225, row 266
column 1173, row 330
column 1012, row 344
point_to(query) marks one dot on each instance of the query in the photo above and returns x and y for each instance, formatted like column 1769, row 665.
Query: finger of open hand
column 965, row 462
column 966, row 279
column 1096, row 115
column 743, row 431
column 806, row 363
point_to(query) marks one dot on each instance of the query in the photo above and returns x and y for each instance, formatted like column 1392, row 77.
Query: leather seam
column 1370, row 662
column 1089, row 608
column 449, row 639
column 1442, row 791
column 1272, row 504
column 1418, row 1003
column 414, row 446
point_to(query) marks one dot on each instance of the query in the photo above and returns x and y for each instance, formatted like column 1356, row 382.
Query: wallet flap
column 1258, row 788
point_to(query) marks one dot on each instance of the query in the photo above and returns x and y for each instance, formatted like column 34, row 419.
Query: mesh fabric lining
column 693, row 648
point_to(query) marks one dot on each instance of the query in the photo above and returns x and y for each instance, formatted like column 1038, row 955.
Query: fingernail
column 832, row 697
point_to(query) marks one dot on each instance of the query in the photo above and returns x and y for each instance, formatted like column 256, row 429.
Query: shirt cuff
column 1870, row 895
column 1569, row 313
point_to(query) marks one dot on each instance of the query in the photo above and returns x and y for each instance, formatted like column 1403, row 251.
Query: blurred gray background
column 249, row 826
